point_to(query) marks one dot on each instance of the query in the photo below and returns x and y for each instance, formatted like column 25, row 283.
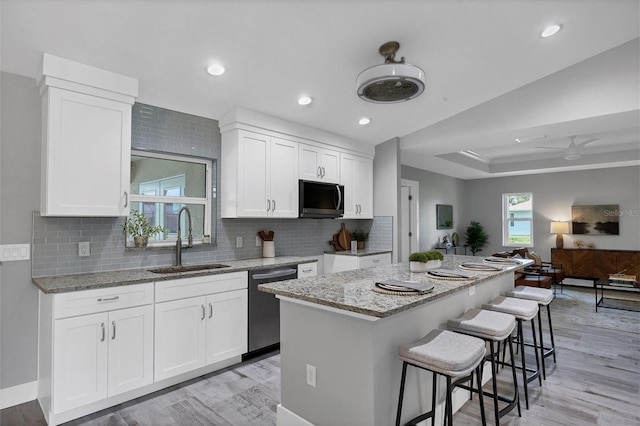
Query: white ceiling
column 490, row 78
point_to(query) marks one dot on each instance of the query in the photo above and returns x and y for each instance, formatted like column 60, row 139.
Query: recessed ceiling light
column 215, row 69
column 305, row 100
column 364, row 121
column 550, row 30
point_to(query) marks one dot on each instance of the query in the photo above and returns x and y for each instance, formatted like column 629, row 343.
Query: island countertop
column 352, row 291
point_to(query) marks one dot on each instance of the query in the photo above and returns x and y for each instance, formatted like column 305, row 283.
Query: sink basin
column 186, row 268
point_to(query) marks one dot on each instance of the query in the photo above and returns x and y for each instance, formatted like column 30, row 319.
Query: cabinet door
column 130, row 349
column 339, row 263
column 253, row 174
column 79, row 361
column 364, row 188
column 86, row 155
column 283, row 162
column 563, row 256
column 179, row 336
column 226, row 325
column 318, row 164
column 582, row 263
column 348, row 178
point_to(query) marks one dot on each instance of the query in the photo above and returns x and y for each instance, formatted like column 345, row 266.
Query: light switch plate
column 11, row 252
column 238, row 242
column 84, row 249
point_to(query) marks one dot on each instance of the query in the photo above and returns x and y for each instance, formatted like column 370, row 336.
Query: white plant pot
column 424, row 267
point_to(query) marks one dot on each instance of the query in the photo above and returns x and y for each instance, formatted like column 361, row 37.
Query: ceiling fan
column 574, row 150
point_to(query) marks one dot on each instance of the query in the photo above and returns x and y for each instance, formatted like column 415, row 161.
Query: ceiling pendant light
column 393, row 81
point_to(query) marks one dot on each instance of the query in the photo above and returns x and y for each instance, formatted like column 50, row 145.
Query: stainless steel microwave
column 319, row 200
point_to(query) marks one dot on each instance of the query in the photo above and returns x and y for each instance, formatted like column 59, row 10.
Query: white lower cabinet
column 101, row 355
column 102, row 347
column 199, row 331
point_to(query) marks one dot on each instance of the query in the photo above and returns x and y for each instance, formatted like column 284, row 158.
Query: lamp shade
column 559, row 227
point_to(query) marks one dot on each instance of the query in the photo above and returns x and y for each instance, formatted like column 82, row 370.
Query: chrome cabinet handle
column 210, row 311
column 268, row 204
column 113, row 333
column 126, row 198
column 323, row 172
column 375, row 260
column 202, row 306
column 307, row 270
column 319, row 172
column 274, row 205
column 103, row 332
column 108, row 299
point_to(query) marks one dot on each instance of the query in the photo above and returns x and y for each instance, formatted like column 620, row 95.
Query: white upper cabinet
column 263, row 158
column 356, row 174
column 86, row 143
column 259, row 175
column 318, row 164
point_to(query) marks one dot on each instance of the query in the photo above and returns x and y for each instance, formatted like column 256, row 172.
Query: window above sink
column 161, row 184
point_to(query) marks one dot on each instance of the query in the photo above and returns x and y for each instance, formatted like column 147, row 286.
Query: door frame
column 414, row 219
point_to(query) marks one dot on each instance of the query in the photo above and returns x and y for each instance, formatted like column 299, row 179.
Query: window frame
column 206, row 201
column 508, row 220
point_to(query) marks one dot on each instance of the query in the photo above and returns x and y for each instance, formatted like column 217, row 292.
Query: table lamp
column 559, row 228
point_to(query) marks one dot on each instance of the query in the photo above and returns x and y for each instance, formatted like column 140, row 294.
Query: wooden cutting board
column 344, row 238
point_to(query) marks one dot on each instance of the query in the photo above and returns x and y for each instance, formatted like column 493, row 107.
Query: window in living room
column 517, row 219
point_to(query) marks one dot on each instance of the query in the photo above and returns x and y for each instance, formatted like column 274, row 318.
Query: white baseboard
column 18, row 394
column 289, row 418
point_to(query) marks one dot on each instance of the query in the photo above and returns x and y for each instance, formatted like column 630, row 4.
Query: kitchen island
column 339, row 340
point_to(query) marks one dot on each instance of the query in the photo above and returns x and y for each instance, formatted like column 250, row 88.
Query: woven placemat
column 433, row 277
column 399, row 293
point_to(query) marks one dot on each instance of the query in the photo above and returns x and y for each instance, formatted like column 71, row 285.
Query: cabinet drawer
column 200, row 286
column 308, row 270
column 374, row 260
column 102, row 299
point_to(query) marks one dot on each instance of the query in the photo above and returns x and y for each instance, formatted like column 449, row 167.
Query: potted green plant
column 426, row 260
column 476, row 237
column 360, row 236
column 140, row 229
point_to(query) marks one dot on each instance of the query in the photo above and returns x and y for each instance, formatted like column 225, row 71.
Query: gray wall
column 386, row 186
column 437, row 189
column 553, row 196
column 55, row 248
column 20, row 195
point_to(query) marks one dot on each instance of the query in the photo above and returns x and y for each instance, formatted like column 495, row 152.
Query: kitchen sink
column 187, row 268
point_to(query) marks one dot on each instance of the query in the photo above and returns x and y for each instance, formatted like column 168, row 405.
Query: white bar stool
column 492, row 327
column 452, row 355
column 522, row 310
column 543, row 297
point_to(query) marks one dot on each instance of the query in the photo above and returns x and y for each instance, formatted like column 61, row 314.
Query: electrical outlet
column 84, row 249
column 472, row 290
column 258, row 241
column 311, row 375
column 238, row 242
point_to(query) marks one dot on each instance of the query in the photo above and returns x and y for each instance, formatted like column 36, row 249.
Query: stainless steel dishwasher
column 264, row 309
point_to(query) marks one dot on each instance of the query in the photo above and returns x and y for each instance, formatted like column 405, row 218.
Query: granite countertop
column 67, row 283
column 352, row 290
column 363, row 252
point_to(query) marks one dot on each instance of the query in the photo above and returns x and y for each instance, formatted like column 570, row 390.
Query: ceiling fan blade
column 581, row 144
column 550, row 147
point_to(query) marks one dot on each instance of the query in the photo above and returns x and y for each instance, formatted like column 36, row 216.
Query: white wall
column 553, row 196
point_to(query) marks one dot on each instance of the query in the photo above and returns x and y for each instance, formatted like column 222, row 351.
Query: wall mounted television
column 595, row 219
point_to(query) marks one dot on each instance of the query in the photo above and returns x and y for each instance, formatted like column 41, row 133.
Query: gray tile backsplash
column 55, row 240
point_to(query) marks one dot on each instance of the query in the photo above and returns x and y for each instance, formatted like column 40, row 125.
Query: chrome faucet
column 179, row 240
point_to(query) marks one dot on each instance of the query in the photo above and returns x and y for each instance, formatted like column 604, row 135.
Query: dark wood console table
column 593, row 263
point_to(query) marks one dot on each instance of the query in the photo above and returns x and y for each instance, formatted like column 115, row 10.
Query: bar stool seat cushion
column 485, row 324
column 540, row 295
column 520, row 308
column 444, row 352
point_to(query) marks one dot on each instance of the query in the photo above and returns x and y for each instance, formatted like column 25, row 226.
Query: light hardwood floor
column 596, row 381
